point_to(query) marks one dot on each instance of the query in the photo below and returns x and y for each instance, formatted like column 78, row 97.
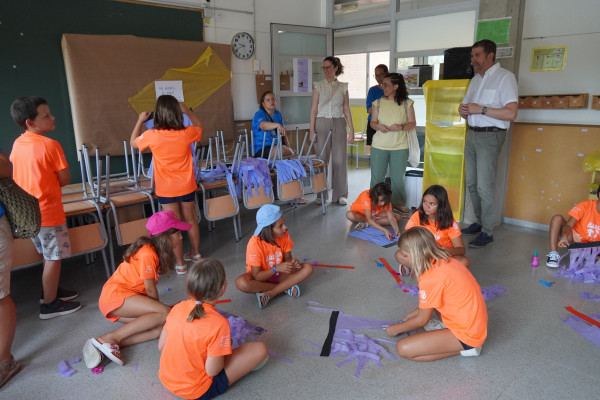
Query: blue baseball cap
column 266, row 216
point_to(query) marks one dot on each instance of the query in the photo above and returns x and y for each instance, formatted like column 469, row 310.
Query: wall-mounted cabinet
column 551, row 101
column 596, row 102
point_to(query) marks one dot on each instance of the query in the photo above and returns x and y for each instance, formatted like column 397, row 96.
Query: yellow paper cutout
column 445, row 139
column 200, row 81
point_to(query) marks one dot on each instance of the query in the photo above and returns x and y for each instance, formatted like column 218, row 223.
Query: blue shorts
column 465, row 346
column 186, row 198
column 219, row 385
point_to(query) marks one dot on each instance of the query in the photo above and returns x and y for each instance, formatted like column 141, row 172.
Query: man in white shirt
column 490, row 104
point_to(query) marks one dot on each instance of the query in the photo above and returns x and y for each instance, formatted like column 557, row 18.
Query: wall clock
column 242, row 45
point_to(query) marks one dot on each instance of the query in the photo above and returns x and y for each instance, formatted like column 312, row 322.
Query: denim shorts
column 53, row 242
column 186, row 198
column 465, row 346
column 219, row 385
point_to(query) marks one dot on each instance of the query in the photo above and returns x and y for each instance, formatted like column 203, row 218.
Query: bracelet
column 275, row 270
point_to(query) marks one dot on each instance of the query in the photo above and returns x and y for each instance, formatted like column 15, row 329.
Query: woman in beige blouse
column 330, row 104
column 393, row 115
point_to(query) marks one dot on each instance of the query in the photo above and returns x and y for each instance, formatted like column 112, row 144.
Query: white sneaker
column 318, row 201
column 434, row 324
column 343, row 201
column 553, row 259
column 474, row 352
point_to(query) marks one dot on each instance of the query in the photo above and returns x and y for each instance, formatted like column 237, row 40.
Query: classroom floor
column 529, row 354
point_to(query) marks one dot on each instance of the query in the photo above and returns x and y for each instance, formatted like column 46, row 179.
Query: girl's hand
column 286, row 267
column 564, row 241
column 144, row 115
column 295, row 263
column 388, row 234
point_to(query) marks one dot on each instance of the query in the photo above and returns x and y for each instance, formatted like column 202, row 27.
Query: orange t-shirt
column 173, row 165
column 183, row 359
column 364, row 203
column 267, row 255
column 36, row 161
column 128, row 280
column 588, row 220
column 443, row 237
column 451, row 289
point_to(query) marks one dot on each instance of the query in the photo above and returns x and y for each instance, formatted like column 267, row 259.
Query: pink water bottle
column 534, row 259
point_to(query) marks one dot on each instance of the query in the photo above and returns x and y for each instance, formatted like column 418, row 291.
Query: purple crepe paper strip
column 357, row 347
column 241, row 331
column 348, row 321
column 590, row 296
column 304, row 259
column 583, row 266
column 413, row 290
column 492, row 291
column 136, row 367
column 589, row 332
column 273, row 354
column 315, row 263
column 64, row 369
column 74, row 361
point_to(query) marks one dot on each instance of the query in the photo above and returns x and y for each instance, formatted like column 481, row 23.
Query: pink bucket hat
column 163, row 221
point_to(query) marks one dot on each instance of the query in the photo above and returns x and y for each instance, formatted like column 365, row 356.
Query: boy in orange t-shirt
column 40, row 168
column 445, row 286
column 583, row 226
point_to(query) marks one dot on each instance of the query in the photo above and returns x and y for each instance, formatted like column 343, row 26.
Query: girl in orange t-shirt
column 445, row 286
column 130, row 295
column 173, row 169
column 270, row 268
column 197, row 361
column 374, row 208
column 435, row 214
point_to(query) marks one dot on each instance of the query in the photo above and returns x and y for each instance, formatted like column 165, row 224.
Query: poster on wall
column 494, row 29
column 553, row 58
column 411, row 77
column 302, row 71
column 174, row 88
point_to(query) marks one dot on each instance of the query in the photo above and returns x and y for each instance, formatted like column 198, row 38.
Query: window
column 359, row 70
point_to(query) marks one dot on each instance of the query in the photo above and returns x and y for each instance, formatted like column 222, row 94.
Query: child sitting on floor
column 270, row 268
column 435, row 214
column 374, row 208
column 197, row 361
column 130, row 295
column 582, row 226
column 446, row 286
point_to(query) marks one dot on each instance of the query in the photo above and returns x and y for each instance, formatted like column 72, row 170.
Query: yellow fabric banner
column 445, row 139
column 200, row 81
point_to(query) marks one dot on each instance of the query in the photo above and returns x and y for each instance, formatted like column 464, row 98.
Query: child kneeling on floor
column 445, row 286
column 374, row 208
column 270, row 268
column 583, row 226
column 130, row 295
column 197, row 361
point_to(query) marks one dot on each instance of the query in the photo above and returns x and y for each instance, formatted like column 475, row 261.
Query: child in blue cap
column 270, row 268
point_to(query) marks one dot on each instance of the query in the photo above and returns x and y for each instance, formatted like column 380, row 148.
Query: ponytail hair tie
column 198, row 302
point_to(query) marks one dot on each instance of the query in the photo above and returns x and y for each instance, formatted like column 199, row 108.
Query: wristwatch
column 483, row 110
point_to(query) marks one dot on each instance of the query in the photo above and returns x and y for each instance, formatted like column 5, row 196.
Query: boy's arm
column 5, row 166
column 563, row 240
column 214, row 365
column 64, row 177
column 137, row 129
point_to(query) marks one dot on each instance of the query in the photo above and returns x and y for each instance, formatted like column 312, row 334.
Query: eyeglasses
column 325, row 68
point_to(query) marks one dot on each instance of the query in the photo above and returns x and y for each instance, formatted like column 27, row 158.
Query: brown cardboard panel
column 545, row 174
column 103, row 71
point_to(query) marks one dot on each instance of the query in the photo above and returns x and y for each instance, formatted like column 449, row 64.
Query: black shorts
column 370, row 133
column 219, row 385
column 265, row 153
column 465, row 346
column 186, row 198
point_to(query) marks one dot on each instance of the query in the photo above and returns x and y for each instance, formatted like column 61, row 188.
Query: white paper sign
column 302, row 70
column 174, row 88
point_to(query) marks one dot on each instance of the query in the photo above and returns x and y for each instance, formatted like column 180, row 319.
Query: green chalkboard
column 31, row 61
